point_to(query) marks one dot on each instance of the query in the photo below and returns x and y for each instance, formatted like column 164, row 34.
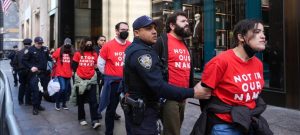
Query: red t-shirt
column 113, row 53
column 234, row 81
column 62, row 67
column 86, row 64
column 178, row 62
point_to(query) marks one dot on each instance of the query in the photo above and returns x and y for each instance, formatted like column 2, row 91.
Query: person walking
column 236, row 80
column 176, row 60
column 110, row 63
column 23, row 74
column 35, row 60
column 63, row 71
column 143, row 83
column 85, row 84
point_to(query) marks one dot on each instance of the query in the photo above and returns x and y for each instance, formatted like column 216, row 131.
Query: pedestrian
column 143, row 81
column 85, row 84
column 11, row 56
column 235, row 78
column 35, row 60
column 176, row 59
column 23, row 73
column 101, row 40
column 110, row 63
column 63, row 71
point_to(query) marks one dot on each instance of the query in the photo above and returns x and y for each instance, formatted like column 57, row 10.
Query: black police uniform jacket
column 143, row 75
column 36, row 58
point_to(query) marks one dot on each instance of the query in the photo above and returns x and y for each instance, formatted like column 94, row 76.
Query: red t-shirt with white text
column 178, row 62
column 113, row 53
column 235, row 82
column 62, row 67
column 86, row 64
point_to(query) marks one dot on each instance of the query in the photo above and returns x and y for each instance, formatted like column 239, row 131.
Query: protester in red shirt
column 176, row 59
column 110, row 63
column 63, row 71
column 84, row 63
column 236, row 80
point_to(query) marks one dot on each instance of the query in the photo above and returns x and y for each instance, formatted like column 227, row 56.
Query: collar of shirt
column 120, row 42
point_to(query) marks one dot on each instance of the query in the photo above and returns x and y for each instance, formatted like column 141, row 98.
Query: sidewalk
column 51, row 122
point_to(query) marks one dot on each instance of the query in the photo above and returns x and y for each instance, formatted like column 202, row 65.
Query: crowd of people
column 151, row 77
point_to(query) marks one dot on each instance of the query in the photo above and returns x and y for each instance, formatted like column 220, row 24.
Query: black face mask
column 250, row 52
column 88, row 48
column 67, row 46
column 124, row 35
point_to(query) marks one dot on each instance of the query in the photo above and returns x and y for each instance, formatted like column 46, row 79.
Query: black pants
column 15, row 75
column 148, row 125
column 43, row 77
column 90, row 97
column 24, row 87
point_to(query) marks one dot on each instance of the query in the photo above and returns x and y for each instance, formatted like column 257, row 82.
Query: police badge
column 146, row 61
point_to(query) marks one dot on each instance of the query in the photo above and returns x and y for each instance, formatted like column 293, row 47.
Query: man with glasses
column 36, row 59
column 110, row 63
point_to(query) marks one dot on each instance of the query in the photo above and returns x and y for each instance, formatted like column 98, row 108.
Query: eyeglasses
column 88, row 44
column 102, row 40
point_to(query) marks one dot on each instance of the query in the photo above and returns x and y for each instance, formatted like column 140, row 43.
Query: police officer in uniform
column 143, row 81
column 36, row 61
column 23, row 74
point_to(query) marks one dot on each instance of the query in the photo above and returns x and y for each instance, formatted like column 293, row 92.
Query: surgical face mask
column 250, row 52
column 124, row 35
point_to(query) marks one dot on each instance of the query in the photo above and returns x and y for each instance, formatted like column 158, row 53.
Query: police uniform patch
column 26, row 51
column 146, row 61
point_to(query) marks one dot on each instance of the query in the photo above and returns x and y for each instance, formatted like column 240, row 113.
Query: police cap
column 142, row 21
column 27, row 41
column 38, row 40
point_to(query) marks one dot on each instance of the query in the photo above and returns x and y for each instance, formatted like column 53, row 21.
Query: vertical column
column 253, row 9
column 177, row 5
column 209, row 30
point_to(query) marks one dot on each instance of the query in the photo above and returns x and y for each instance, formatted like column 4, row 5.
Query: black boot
column 40, row 108
column 35, row 111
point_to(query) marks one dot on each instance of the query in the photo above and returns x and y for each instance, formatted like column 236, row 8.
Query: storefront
column 212, row 22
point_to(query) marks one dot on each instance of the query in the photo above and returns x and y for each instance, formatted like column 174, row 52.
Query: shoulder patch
column 26, row 51
column 145, row 60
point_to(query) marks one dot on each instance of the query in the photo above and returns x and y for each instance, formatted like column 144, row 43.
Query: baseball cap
column 142, row 21
column 67, row 41
column 27, row 41
column 38, row 40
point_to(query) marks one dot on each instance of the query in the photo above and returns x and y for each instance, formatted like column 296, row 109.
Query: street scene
column 149, row 67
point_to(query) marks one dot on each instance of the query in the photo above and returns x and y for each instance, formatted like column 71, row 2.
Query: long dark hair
column 83, row 46
column 242, row 27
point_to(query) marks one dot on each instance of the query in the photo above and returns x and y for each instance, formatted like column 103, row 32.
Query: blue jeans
column 225, row 129
column 61, row 95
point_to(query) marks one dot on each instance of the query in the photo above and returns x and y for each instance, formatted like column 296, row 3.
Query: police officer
column 11, row 56
column 144, row 83
column 35, row 59
column 23, row 74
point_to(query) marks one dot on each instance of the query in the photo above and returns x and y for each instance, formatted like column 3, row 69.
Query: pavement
column 282, row 121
